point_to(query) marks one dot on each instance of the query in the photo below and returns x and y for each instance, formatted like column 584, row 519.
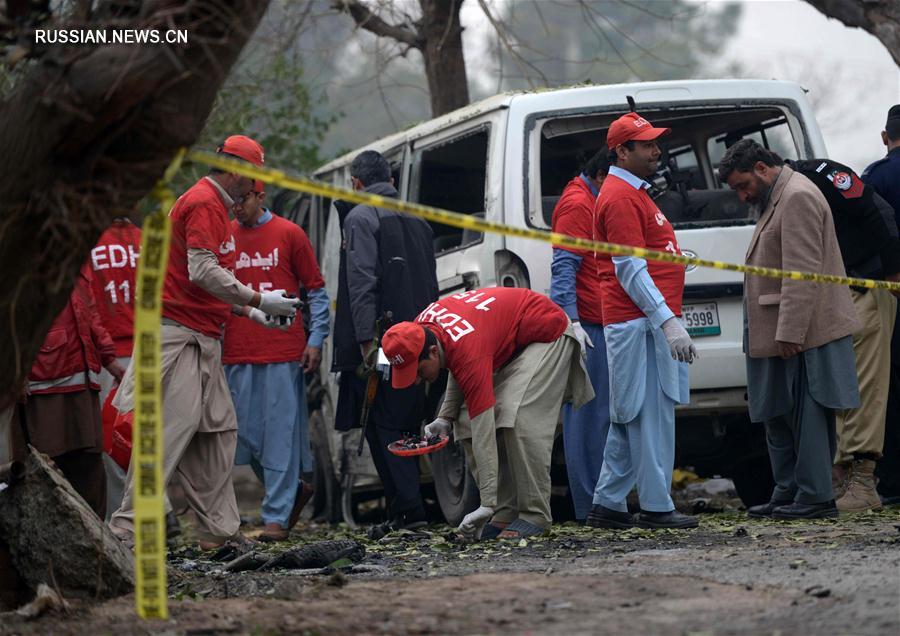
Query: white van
column 507, row 158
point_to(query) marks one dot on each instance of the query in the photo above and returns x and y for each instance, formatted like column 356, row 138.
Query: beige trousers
column 524, row 450
column 862, row 430
column 199, row 433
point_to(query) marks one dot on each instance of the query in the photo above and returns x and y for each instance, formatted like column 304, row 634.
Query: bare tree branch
column 881, row 18
column 521, row 62
column 366, row 19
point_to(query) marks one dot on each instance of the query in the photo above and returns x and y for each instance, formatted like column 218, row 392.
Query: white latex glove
column 270, row 322
column 275, row 303
column 581, row 335
column 440, row 426
column 680, row 343
column 474, row 522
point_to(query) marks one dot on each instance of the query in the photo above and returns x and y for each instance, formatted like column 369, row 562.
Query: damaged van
column 507, row 159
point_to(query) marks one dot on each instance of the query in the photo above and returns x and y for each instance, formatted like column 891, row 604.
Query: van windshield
column 686, row 187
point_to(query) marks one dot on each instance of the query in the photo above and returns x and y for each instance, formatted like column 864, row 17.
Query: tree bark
column 54, row 537
column 86, row 135
column 445, row 65
column 437, row 35
column 881, row 18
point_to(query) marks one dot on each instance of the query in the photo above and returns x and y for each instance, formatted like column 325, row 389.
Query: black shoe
column 765, row 510
column 673, row 519
column 806, row 511
column 890, row 500
column 603, row 517
column 404, row 521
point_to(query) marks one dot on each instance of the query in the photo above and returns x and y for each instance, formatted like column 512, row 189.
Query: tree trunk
column 881, row 18
column 445, row 66
column 55, row 538
column 86, row 134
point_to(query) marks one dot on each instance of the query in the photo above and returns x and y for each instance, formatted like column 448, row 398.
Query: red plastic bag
column 108, row 418
column 121, row 439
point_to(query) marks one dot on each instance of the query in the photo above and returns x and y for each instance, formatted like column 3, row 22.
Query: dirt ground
column 731, row 575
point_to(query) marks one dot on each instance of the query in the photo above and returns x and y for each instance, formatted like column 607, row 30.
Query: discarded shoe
column 660, row 520
column 404, row 521
column 603, row 517
column 765, row 510
column 796, row 510
column 304, row 494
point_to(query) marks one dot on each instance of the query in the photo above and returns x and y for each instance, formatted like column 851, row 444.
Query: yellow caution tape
column 151, row 596
column 467, row 222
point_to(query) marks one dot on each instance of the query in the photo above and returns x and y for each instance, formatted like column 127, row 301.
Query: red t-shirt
column 574, row 215
column 275, row 255
column 481, row 330
column 628, row 216
column 199, row 221
column 114, row 263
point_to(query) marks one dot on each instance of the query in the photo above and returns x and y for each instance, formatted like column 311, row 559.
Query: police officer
column 867, row 234
column 884, row 177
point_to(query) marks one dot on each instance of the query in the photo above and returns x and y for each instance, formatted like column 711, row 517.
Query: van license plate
column 701, row 320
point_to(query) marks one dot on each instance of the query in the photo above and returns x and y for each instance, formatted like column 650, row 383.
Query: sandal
column 493, row 530
column 521, row 529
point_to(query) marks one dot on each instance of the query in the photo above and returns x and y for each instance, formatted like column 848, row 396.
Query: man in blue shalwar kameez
column 266, row 362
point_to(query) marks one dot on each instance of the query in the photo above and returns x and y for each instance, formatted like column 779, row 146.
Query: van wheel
column 327, row 497
column 456, row 490
column 753, row 480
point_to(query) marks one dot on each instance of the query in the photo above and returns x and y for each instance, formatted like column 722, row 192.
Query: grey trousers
column 801, row 447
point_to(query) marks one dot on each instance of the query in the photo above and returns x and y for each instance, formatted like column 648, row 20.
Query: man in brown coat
column 800, row 361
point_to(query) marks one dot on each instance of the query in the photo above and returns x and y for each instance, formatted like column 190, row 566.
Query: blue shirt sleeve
column 634, row 278
column 320, row 319
column 563, row 270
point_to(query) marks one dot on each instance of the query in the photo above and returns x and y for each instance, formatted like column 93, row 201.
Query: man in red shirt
column 265, row 368
column 575, row 286
column 646, row 346
column 114, row 265
column 62, row 410
column 199, row 293
column 513, row 359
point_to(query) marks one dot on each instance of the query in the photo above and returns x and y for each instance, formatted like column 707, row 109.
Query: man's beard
column 763, row 191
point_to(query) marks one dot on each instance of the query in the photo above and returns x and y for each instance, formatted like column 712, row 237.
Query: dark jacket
column 884, row 176
column 863, row 221
column 387, row 264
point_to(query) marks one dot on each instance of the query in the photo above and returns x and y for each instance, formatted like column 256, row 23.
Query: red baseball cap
column 402, row 344
column 632, row 126
column 243, row 148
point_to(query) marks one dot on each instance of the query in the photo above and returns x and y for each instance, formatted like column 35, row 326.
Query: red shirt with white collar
column 114, row 263
column 274, row 255
column 626, row 215
column 199, row 221
column 481, row 330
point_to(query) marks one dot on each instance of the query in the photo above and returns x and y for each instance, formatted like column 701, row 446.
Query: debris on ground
column 47, row 599
column 324, row 554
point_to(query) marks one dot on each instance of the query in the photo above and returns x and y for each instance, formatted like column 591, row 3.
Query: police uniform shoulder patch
column 849, row 185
